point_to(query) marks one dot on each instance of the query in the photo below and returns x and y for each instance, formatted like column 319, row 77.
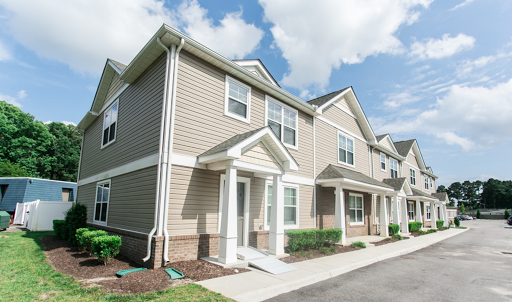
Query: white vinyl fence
column 39, row 215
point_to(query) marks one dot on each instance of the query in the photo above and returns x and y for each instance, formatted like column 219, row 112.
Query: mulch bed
column 312, row 254
column 70, row 260
column 388, row 240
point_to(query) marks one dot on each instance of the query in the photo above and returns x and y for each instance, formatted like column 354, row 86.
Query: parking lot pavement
column 473, row 266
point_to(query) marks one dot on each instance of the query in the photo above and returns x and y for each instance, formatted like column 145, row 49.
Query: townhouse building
column 188, row 154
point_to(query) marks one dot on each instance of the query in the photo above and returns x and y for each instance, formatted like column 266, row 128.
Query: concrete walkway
column 257, row 285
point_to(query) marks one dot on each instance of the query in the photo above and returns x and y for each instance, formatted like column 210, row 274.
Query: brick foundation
column 259, row 239
column 192, row 247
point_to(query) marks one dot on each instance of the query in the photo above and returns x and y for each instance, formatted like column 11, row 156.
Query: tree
column 8, row 169
column 441, row 189
column 462, row 208
column 478, row 214
column 65, row 151
column 455, row 192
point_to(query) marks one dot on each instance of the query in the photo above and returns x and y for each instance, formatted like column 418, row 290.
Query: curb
column 272, row 291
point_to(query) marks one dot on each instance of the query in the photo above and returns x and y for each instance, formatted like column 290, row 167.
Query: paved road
column 467, row 267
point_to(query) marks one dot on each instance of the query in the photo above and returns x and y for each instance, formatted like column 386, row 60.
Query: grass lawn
column 26, row 276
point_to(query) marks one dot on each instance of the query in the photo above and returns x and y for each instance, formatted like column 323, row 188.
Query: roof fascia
column 259, row 66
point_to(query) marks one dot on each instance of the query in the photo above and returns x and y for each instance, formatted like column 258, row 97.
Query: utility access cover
column 272, row 265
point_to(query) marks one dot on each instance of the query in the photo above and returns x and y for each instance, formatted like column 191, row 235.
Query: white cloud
column 339, row 32
column 4, row 53
column 461, row 5
column 64, row 122
column 467, row 116
column 467, row 66
column 441, row 48
column 233, row 38
column 14, row 100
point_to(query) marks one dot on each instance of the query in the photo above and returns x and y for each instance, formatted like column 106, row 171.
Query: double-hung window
column 411, row 211
column 110, row 124
column 393, row 167
column 431, row 181
column 383, row 161
column 345, row 149
column 426, row 182
column 101, row 202
column 427, row 211
column 356, row 209
column 290, row 205
column 413, row 176
column 283, row 121
column 238, row 100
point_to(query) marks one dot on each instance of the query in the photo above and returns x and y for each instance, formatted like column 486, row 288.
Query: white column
column 384, row 224
column 405, row 216
column 419, row 214
column 228, row 224
column 276, row 234
column 394, row 205
column 433, row 216
column 445, row 215
column 339, row 213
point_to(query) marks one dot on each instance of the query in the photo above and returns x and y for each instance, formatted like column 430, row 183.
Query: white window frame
column 109, row 182
column 383, row 162
column 116, row 102
column 338, row 149
column 427, row 212
column 410, row 209
column 362, row 209
column 283, row 106
column 412, row 174
column 284, row 185
column 247, row 119
column 430, row 181
column 391, row 167
column 425, row 183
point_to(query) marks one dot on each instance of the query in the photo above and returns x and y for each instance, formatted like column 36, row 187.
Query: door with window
column 240, row 200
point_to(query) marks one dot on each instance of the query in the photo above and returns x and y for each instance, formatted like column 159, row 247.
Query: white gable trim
column 345, row 110
column 257, row 66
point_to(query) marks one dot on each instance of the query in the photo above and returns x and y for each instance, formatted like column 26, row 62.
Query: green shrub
column 456, row 221
column 300, row 240
column 76, row 218
column 415, row 226
column 439, row 224
column 422, row 232
column 431, row 231
column 87, row 237
column 507, row 215
column 106, row 247
column 333, row 248
column 359, row 244
column 324, row 250
column 59, row 228
column 478, row 214
column 393, row 229
column 397, row 236
column 80, row 238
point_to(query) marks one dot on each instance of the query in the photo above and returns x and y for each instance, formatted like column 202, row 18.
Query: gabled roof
column 121, row 66
column 326, row 98
column 396, row 183
column 441, row 196
column 416, row 192
column 336, row 172
column 380, row 137
column 380, row 146
column 404, row 147
column 258, row 66
column 225, row 145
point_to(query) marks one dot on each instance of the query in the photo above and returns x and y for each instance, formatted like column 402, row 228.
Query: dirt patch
column 70, row 260
column 416, row 234
column 312, row 254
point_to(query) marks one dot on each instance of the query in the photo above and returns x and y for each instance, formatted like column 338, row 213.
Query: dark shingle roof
column 441, row 196
column 380, row 137
column 326, row 98
column 225, row 145
column 403, row 147
column 416, row 192
column 121, row 66
column 333, row 172
column 396, row 183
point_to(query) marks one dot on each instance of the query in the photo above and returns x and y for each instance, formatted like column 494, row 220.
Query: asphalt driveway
column 473, row 266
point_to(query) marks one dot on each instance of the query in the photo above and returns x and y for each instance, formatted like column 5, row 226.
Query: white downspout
column 171, row 140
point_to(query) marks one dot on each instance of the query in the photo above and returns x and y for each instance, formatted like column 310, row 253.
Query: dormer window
column 238, row 100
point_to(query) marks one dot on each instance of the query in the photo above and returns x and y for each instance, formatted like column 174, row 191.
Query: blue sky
column 437, row 71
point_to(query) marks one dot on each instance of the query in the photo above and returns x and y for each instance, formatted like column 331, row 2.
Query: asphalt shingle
column 326, row 98
column 333, row 172
column 403, row 147
column 225, row 145
column 396, row 183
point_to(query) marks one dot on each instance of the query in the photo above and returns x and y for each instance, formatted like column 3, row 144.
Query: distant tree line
column 492, row 193
column 30, row 148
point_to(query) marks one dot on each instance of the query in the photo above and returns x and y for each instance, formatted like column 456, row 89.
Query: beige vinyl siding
column 378, row 173
column 132, row 200
column 260, row 155
column 342, row 119
column 200, row 120
column 138, row 125
column 115, row 86
column 306, row 207
column 327, row 150
column 193, row 201
column 257, row 204
column 411, row 159
column 385, row 142
column 343, row 103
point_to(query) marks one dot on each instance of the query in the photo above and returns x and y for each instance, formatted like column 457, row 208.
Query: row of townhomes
column 188, row 154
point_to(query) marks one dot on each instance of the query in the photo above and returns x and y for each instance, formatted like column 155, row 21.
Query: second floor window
column 283, row 121
column 345, row 149
column 413, row 176
column 426, row 182
column 110, row 124
column 238, row 98
column 393, row 167
column 383, row 161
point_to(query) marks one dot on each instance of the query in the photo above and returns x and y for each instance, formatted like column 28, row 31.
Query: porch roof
column 339, row 174
column 418, row 193
column 441, row 196
column 396, row 183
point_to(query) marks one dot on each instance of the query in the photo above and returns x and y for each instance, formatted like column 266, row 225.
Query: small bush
column 333, row 248
column 76, row 218
column 398, row 236
column 59, row 228
column 415, row 226
column 422, row 232
column 507, row 214
column 106, row 247
column 324, row 250
column 431, row 231
column 359, row 244
column 439, row 224
column 300, row 240
column 478, row 214
column 87, row 237
column 393, row 229
column 80, row 238
column 456, row 221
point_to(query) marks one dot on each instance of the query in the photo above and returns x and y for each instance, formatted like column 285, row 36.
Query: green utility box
column 5, row 220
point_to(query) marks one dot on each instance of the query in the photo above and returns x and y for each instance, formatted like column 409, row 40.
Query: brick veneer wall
column 192, row 247
column 325, row 207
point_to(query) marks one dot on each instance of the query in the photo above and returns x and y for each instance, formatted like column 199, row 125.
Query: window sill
column 291, row 146
column 99, row 223
column 349, row 165
column 356, row 224
column 109, row 143
column 237, row 117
